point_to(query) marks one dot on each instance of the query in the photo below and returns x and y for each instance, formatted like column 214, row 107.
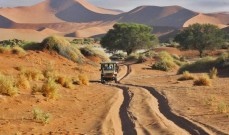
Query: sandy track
column 150, row 113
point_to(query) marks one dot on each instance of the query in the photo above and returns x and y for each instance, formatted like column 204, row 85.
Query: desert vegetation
column 129, row 38
column 201, row 37
column 41, row 116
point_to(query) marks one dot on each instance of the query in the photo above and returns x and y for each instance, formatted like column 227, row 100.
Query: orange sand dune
column 53, row 11
column 173, row 16
column 202, row 18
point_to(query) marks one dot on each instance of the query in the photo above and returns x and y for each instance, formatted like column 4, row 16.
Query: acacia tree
column 200, row 37
column 129, row 38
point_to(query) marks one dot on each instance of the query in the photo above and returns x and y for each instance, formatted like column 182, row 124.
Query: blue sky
column 125, row 5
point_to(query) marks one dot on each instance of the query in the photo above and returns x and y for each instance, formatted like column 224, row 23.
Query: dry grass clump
column 90, row 51
column 4, row 49
column 41, row 116
column 222, row 107
column 83, row 79
column 18, row 50
column 164, row 65
column 33, row 74
column 65, row 82
column 62, row 47
column 203, row 80
column 213, row 73
column 23, row 82
column 186, row 76
column 8, row 85
column 165, row 62
column 50, row 89
column 200, row 65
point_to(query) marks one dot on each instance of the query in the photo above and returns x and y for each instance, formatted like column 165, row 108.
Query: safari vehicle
column 109, row 71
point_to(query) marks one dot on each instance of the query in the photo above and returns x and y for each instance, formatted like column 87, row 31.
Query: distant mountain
column 78, row 18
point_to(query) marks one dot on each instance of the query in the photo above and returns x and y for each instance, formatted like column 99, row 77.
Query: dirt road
column 144, row 111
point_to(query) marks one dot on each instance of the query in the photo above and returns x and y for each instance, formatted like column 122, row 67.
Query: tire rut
column 165, row 109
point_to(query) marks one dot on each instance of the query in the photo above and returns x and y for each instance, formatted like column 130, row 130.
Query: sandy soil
column 144, row 102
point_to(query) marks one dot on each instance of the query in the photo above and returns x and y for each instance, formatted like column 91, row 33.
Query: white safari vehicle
column 109, row 71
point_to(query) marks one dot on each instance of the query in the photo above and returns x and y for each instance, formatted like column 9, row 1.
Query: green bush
column 164, row 65
column 62, row 47
column 200, row 65
column 165, row 62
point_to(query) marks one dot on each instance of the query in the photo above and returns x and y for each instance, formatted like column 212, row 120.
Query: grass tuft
column 23, row 82
column 18, row 50
column 222, row 107
column 203, row 80
column 213, row 73
column 83, row 79
column 8, row 85
column 50, row 89
column 186, row 76
column 33, row 74
column 41, row 116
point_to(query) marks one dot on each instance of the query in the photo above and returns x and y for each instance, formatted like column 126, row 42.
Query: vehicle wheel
column 116, row 81
column 102, row 81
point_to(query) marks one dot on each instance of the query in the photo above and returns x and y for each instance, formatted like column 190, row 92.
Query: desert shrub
column 8, row 85
column 165, row 56
column 4, row 49
column 76, row 81
column 150, row 54
column 213, row 73
column 65, row 82
column 203, row 80
column 186, row 76
column 32, row 74
column 133, row 56
column 142, row 58
column 50, row 89
column 222, row 58
column 200, row 65
column 18, row 50
column 62, row 47
column 222, row 107
column 164, row 65
column 89, row 51
column 23, row 82
column 165, row 62
column 49, row 72
column 13, row 42
column 36, row 88
column 83, row 79
column 41, row 116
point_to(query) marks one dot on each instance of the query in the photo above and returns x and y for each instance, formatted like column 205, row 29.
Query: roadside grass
column 8, row 85
column 41, row 116
column 83, row 79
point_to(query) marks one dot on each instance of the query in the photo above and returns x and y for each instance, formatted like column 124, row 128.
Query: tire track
column 165, row 109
